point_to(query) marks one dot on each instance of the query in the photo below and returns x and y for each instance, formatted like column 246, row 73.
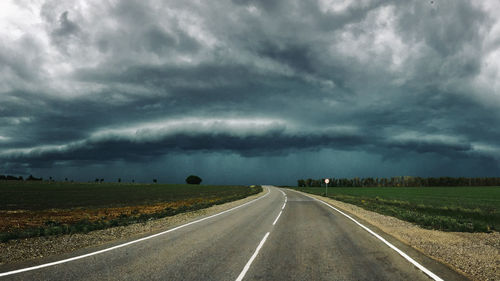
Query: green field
column 31, row 209
column 468, row 209
column 58, row 195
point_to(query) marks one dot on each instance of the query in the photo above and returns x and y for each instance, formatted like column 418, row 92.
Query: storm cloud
column 410, row 86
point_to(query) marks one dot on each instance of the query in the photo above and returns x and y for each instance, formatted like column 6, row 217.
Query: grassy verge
column 465, row 209
column 42, row 215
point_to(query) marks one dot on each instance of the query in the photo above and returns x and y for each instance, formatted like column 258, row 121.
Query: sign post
column 326, row 187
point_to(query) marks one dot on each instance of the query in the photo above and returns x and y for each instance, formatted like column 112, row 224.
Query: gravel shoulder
column 476, row 255
column 41, row 247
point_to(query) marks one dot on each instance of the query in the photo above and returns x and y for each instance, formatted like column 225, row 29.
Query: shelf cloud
column 394, row 83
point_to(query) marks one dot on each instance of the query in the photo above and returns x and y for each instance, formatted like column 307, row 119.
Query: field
column 29, row 209
column 466, row 209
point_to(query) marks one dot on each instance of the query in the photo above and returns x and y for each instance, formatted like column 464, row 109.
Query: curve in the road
column 403, row 254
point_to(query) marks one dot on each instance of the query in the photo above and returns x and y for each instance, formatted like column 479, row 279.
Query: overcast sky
column 249, row 91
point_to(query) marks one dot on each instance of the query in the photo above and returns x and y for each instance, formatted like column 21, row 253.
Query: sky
column 249, row 91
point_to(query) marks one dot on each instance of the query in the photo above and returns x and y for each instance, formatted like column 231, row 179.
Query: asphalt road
column 309, row 241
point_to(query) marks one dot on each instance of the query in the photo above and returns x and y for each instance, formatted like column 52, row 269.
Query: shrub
column 192, row 179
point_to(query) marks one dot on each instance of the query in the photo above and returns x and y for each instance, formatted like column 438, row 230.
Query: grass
column 31, row 209
column 465, row 209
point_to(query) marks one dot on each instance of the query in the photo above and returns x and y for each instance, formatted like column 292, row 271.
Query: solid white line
column 247, row 266
column 128, row 243
column 277, row 217
column 284, row 204
column 404, row 255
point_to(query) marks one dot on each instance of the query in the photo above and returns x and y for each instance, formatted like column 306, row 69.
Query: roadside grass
column 31, row 199
column 464, row 209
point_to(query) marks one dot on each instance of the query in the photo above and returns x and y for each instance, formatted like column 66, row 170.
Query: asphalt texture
column 309, row 241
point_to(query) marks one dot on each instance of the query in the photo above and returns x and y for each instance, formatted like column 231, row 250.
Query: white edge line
column 404, row 255
column 247, row 266
column 277, row 217
column 128, row 243
column 284, row 204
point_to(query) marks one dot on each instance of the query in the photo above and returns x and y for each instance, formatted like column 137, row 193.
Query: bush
column 192, row 179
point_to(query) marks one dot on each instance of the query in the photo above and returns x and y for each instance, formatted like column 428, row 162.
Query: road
column 308, row 241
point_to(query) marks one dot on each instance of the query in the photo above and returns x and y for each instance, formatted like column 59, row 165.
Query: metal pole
column 326, row 190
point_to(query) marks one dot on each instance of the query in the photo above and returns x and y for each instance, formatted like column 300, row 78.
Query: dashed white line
column 247, row 266
column 277, row 217
column 403, row 254
column 128, row 243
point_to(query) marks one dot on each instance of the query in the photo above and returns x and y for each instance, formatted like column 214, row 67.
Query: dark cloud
column 133, row 82
column 66, row 27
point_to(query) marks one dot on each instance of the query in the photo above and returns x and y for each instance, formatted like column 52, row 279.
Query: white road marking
column 128, row 243
column 284, row 204
column 277, row 217
column 282, row 192
column 403, row 254
column 247, row 266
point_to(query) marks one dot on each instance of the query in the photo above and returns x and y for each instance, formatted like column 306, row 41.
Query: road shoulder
column 25, row 251
column 474, row 255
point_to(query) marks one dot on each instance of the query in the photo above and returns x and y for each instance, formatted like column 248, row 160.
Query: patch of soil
column 22, row 219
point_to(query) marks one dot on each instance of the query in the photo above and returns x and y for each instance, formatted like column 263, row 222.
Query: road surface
column 283, row 235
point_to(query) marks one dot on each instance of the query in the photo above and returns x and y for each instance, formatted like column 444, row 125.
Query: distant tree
column 155, row 180
column 2, row 177
column 301, row 183
column 309, row 182
column 192, row 179
column 65, row 179
column 32, row 178
column 119, row 180
column 96, row 180
column 102, row 180
column 133, row 180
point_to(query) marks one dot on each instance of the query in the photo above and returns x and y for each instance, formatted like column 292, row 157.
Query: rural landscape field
column 450, row 208
column 250, row 140
column 30, row 209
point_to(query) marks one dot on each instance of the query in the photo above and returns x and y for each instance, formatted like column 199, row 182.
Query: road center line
column 128, row 243
column 247, row 266
column 403, row 254
column 277, row 217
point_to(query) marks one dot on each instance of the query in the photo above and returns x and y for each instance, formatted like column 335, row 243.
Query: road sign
column 327, row 181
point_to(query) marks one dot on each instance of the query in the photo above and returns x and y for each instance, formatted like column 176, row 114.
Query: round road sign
column 327, row 180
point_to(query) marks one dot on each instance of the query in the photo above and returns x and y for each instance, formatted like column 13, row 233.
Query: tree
column 155, row 180
column 192, row 179
column 119, row 179
column 301, row 183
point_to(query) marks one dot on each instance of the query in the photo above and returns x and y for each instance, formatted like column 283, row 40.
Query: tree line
column 400, row 182
column 191, row 179
column 20, row 178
